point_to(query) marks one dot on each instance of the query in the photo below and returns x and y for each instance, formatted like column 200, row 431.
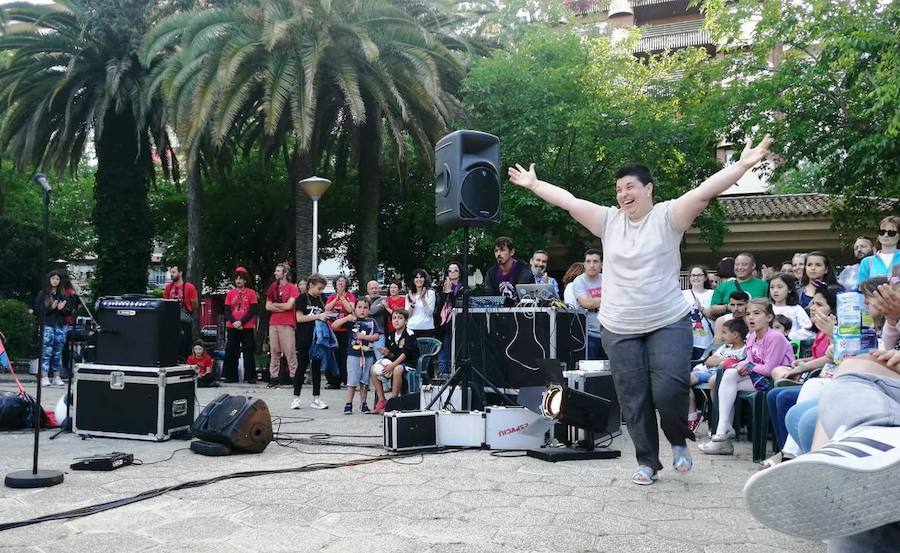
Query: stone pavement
column 469, row 501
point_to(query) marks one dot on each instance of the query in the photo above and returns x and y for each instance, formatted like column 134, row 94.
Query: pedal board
column 104, row 462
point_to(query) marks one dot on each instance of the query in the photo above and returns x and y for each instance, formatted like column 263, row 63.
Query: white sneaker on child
column 45, row 382
column 296, row 403
column 318, row 404
column 844, row 488
column 57, row 381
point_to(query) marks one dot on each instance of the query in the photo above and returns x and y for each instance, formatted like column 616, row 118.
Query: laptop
column 541, row 292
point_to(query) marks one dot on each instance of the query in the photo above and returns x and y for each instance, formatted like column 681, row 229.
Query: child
column 206, row 377
column 822, row 306
column 766, row 349
column 310, row 308
column 56, row 305
column 783, row 293
column 400, row 355
column 732, row 351
column 360, row 356
column 783, row 325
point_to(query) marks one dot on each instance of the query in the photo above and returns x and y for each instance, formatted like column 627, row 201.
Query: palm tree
column 311, row 77
column 70, row 77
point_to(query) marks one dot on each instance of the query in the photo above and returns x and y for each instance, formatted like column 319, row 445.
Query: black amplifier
column 138, row 331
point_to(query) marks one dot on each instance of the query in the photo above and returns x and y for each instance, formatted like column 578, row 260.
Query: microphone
column 41, row 180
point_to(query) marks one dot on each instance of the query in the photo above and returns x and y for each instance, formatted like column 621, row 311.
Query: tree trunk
column 300, row 167
column 121, row 213
column 194, row 197
column 370, row 144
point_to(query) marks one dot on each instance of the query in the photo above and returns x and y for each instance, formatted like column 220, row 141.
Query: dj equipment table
column 508, row 343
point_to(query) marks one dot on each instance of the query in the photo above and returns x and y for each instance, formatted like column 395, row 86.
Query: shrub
column 17, row 324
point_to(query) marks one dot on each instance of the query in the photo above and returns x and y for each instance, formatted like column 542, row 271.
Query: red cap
column 240, row 270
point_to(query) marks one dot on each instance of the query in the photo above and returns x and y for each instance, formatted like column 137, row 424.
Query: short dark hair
column 362, row 299
column 593, row 251
column 739, row 295
column 642, row 172
column 737, row 325
column 175, row 263
column 864, row 237
column 402, row 312
column 784, row 321
column 504, row 242
column 747, row 254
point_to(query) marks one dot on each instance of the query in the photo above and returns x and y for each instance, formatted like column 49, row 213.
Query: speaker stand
column 464, row 369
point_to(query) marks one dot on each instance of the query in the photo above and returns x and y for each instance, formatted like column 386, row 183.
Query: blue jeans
column 801, row 423
column 444, row 353
column 652, row 372
column 595, row 348
column 51, row 352
column 779, row 401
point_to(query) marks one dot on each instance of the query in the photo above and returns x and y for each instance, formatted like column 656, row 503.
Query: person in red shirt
column 206, row 376
column 341, row 302
column 240, row 326
column 186, row 294
column 280, row 302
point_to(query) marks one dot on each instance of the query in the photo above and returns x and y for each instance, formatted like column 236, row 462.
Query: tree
column 321, row 83
column 71, row 74
column 581, row 108
column 823, row 78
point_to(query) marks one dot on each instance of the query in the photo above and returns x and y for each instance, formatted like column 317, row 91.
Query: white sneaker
column 318, row 404
column 57, row 381
column 717, row 448
column 296, row 403
column 846, row 487
column 730, row 435
column 45, row 382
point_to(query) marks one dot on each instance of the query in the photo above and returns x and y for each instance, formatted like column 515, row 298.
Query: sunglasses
column 884, row 231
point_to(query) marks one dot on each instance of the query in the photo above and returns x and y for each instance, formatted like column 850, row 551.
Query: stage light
column 581, row 410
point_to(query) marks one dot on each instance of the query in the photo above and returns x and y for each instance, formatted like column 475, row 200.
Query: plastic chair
column 758, row 427
column 428, row 350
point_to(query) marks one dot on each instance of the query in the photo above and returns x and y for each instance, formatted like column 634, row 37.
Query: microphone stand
column 38, row 478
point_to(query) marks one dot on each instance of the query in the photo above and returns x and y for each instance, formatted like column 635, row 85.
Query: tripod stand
column 464, row 368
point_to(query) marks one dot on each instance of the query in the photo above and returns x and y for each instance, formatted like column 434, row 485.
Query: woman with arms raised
column 644, row 315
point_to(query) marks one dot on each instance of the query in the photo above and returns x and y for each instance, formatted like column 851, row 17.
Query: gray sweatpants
column 652, row 372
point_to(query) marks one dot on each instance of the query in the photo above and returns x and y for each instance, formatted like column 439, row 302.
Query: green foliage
column 20, row 259
column 246, row 220
column 580, row 109
column 832, row 101
column 17, row 324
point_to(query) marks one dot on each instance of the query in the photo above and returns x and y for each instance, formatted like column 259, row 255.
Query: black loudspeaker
column 467, row 179
column 138, row 331
column 239, row 422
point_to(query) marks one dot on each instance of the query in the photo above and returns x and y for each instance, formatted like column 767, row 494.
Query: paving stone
column 466, row 501
column 642, row 544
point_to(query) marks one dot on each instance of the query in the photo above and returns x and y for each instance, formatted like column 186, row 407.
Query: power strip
column 105, row 462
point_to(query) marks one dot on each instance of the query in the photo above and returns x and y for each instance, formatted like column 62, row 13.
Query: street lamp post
column 315, row 188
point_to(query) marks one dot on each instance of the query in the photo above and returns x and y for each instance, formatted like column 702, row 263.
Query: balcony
column 587, row 7
column 671, row 36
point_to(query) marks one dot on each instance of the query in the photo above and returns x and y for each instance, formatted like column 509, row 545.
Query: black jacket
column 521, row 275
column 55, row 317
column 407, row 345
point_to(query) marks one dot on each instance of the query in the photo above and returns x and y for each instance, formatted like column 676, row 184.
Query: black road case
column 141, row 403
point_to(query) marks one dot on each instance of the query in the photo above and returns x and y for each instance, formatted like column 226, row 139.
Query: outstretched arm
column 687, row 207
column 585, row 212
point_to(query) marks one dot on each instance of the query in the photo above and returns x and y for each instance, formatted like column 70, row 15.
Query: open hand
column 524, row 178
column 825, row 323
column 753, row 155
column 889, row 301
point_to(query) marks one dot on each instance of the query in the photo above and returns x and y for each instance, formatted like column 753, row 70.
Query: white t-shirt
column 569, row 296
column 700, row 325
column 800, row 323
column 421, row 312
column 641, row 266
column 593, row 288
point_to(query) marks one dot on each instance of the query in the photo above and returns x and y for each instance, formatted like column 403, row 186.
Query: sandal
column 771, row 461
column 681, row 459
column 643, row 475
